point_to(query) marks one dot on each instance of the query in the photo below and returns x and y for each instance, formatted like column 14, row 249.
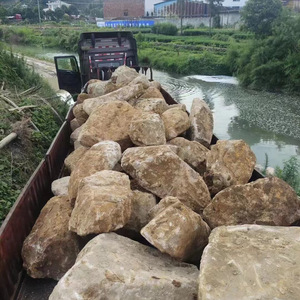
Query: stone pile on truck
column 147, row 197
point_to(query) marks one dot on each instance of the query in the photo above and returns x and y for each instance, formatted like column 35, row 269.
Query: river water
column 268, row 122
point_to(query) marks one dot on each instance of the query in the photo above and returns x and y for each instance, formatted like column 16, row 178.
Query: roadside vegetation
column 35, row 125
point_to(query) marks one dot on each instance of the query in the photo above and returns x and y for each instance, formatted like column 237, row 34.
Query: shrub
column 290, row 173
column 165, row 28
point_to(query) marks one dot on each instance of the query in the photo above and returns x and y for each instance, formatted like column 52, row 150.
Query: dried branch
column 54, row 111
column 21, row 108
column 17, row 107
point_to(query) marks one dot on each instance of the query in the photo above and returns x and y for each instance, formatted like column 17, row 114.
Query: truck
column 99, row 55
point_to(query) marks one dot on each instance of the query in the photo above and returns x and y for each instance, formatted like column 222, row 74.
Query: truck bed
column 14, row 282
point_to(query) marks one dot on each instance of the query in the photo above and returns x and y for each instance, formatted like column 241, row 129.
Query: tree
column 259, row 15
column 59, row 13
column 214, row 8
column 73, row 10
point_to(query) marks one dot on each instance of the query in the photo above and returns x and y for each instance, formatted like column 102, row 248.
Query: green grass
column 20, row 158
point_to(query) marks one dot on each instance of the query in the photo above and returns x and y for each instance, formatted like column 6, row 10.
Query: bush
column 290, row 173
column 165, row 28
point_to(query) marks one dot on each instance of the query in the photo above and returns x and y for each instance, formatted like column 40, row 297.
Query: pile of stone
column 145, row 190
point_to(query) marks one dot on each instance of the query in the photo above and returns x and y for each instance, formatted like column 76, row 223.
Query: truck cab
column 100, row 53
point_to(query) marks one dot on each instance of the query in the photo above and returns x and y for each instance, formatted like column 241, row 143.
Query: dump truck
column 99, row 54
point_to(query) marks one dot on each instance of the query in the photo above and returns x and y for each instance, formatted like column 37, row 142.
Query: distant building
column 190, row 8
column 54, row 5
column 149, row 6
column 115, row 9
column 234, row 3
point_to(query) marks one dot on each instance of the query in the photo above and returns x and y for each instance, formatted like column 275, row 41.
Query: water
column 269, row 123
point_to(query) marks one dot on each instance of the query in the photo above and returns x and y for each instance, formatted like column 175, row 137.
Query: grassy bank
column 20, row 158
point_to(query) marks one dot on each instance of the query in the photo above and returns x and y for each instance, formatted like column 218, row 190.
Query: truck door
column 68, row 73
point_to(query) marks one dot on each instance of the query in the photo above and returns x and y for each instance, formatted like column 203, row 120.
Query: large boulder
column 109, row 121
column 74, row 124
column 177, row 231
column 268, row 201
column 75, row 135
column 192, row 152
column 125, row 93
column 123, row 75
column 251, row 262
column 152, row 92
column 50, row 249
column 202, row 122
column 103, row 203
column 159, row 170
column 141, row 203
column 102, row 156
column 81, row 97
column 228, row 163
column 176, row 122
column 155, row 105
column 100, row 88
column 147, row 129
column 60, row 186
column 114, row 267
column 72, row 159
column 80, row 115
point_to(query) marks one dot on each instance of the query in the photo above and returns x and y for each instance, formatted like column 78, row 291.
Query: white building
column 56, row 4
column 234, row 3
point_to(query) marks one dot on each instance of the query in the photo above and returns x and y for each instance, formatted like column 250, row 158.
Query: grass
column 20, row 158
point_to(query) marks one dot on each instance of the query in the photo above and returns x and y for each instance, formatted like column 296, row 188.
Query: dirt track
column 45, row 69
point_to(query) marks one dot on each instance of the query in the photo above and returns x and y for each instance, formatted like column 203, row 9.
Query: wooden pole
column 8, row 139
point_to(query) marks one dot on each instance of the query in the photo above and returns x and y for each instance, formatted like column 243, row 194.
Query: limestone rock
column 73, row 158
column 60, row 186
column 142, row 203
column 251, row 262
column 125, row 93
column 268, row 201
column 179, row 105
column 74, row 124
column 141, row 78
column 162, row 205
column 81, row 97
column 103, row 203
column 176, row 122
column 123, row 75
column 160, row 171
column 178, row 231
column 102, row 156
column 96, row 89
column 147, row 129
column 192, row 152
column 51, row 249
column 80, row 115
column 155, row 105
column 114, row 267
column 202, row 122
column 228, row 163
column 75, row 134
column 152, row 92
column 77, row 144
column 110, row 121
column 155, row 84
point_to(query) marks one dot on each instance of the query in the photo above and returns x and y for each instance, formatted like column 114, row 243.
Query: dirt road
column 45, row 69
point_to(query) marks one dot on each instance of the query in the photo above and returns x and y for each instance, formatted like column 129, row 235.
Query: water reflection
column 269, row 123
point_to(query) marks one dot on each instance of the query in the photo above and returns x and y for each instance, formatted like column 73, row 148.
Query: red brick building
column 123, row 9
